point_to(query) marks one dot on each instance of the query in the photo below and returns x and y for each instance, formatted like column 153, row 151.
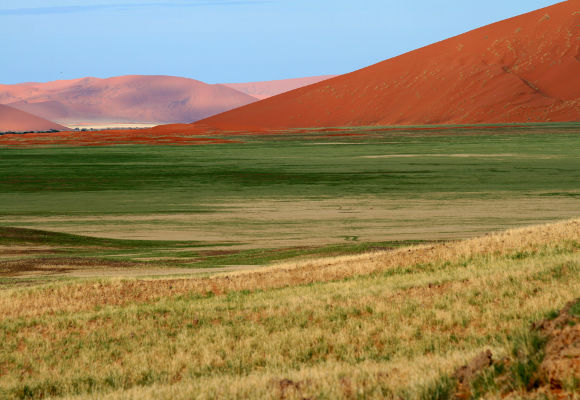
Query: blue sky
column 226, row 40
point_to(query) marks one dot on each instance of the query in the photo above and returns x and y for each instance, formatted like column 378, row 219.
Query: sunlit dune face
column 524, row 69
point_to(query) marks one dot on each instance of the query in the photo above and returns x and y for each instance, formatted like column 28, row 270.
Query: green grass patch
column 15, row 236
column 152, row 179
column 575, row 309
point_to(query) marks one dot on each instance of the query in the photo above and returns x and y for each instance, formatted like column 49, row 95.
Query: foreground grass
column 383, row 324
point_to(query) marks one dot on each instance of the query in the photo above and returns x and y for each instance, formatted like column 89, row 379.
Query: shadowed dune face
column 13, row 120
column 524, row 69
column 266, row 89
column 124, row 99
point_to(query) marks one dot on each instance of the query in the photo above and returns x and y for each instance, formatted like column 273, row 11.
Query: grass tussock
column 381, row 325
column 515, row 374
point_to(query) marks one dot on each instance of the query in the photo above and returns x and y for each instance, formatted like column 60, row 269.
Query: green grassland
column 271, row 197
column 289, row 189
column 136, row 178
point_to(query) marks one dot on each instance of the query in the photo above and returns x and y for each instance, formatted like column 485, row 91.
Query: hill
column 266, row 89
column 123, row 99
column 13, row 120
column 524, row 69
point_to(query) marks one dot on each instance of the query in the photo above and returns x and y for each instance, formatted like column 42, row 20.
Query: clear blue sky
column 226, row 41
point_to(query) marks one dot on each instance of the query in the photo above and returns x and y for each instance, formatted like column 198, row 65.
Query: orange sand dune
column 124, row 99
column 13, row 120
column 524, row 69
column 263, row 90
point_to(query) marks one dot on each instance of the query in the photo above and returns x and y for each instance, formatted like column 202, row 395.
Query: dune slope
column 524, row 69
column 136, row 98
column 13, row 120
column 266, row 89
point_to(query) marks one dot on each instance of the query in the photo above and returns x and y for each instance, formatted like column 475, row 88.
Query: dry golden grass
column 371, row 326
column 84, row 296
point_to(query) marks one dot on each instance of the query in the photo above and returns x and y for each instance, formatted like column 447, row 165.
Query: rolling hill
column 13, row 120
column 524, row 69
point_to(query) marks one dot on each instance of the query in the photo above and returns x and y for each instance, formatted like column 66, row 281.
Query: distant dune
column 124, row 99
column 263, row 90
column 524, row 69
column 13, row 120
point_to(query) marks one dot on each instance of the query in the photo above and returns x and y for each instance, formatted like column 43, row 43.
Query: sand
column 524, row 69
column 123, row 100
column 13, row 120
column 266, row 89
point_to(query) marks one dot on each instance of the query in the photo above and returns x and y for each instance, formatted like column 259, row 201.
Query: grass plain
column 304, row 284
column 270, row 197
column 296, row 189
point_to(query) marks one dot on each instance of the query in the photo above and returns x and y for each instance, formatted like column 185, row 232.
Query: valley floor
column 295, row 189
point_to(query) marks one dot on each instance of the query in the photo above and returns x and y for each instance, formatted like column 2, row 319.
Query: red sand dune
column 124, row 99
column 524, row 69
column 263, row 90
column 13, row 120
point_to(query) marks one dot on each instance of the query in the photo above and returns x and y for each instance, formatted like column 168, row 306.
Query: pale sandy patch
column 111, row 125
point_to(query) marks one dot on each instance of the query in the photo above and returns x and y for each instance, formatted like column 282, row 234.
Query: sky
column 223, row 41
